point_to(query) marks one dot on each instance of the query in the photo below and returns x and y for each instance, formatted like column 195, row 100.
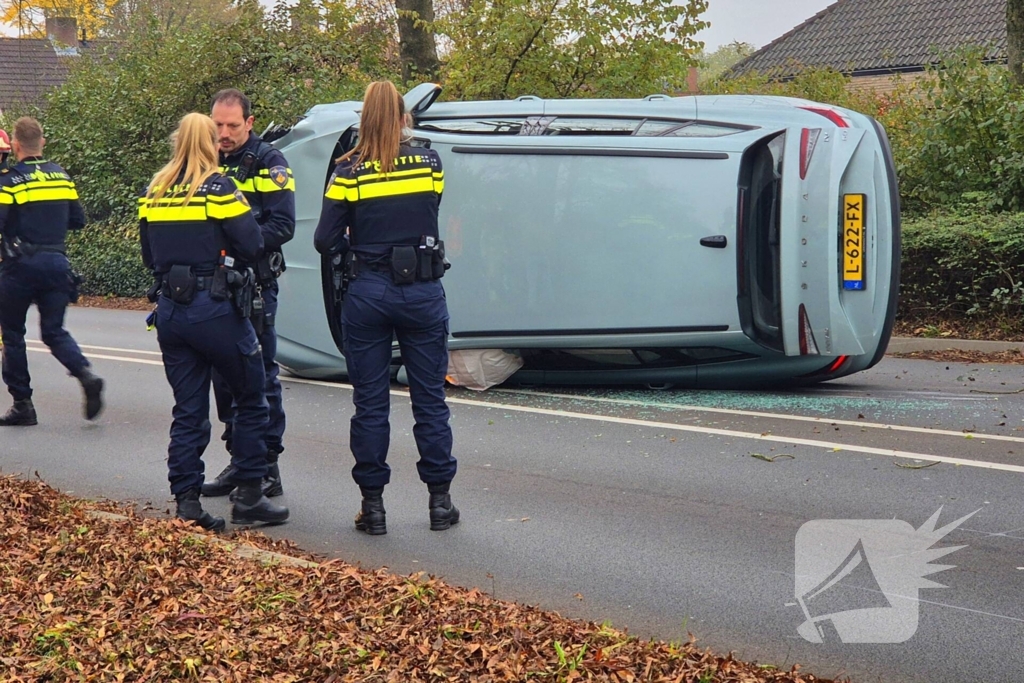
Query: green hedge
column 109, row 259
column 962, row 263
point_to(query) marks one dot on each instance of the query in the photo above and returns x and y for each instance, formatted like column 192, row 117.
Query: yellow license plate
column 853, row 240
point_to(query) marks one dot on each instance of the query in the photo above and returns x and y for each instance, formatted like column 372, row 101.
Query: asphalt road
column 662, row 512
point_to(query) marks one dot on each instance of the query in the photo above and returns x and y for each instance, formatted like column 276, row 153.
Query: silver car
column 693, row 241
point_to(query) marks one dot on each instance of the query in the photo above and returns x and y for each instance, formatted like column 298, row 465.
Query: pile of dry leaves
column 96, row 599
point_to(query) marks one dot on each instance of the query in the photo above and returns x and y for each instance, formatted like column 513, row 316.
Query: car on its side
column 694, row 241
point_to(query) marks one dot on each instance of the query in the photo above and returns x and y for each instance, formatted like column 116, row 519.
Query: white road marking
column 828, row 445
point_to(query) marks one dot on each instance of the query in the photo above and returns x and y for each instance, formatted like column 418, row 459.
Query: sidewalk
column 910, row 344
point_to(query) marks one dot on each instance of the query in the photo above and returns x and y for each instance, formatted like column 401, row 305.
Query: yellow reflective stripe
column 46, row 194
column 261, row 184
column 173, row 214
column 225, row 207
column 247, row 186
column 394, row 174
column 143, row 206
column 266, row 172
column 392, row 188
column 6, row 196
column 439, row 185
column 339, row 192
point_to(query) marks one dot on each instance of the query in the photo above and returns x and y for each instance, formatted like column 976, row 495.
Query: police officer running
column 262, row 174
column 38, row 205
column 193, row 224
column 386, row 194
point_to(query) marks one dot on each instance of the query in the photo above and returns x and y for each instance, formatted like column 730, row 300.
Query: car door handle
column 714, row 241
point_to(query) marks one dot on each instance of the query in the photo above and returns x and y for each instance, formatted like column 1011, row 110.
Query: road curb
column 911, row 344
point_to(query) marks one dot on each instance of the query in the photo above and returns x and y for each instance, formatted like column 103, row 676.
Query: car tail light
column 808, row 141
column 808, row 347
column 836, row 364
column 830, row 114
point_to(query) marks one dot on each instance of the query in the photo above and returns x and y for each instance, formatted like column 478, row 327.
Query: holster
column 181, row 284
column 74, row 284
column 242, row 285
column 153, row 293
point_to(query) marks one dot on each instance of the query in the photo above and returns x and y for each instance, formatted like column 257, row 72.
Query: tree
column 29, row 16
column 170, row 15
column 1015, row 39
column 570, row 48
column 110, row 121
column 416, row 39
column 725, row 57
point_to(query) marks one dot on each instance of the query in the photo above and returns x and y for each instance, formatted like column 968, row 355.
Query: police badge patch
column 279, row 174
column 241, row 197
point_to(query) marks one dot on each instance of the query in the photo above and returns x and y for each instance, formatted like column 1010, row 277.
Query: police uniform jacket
column 216, row 219
column 381, row 211
column 269, row 189
column 38, row 203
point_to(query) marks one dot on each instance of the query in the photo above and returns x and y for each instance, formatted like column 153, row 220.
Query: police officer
column 263, row 176
column 38, row 205
column 193, row 223
column 386, row 194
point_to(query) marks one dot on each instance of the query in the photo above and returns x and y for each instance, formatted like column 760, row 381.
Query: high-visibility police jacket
column 216, row 219
column 381, row 210
column 269, row 189
column 38, row 203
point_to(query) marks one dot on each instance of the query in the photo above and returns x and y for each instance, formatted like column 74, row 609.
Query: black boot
column 93, row 387
column 442, row 513
column 189, row 508
column 272, row 487
column 372, row 518
column 21, row 414
column 222, row 485
column 251, row 506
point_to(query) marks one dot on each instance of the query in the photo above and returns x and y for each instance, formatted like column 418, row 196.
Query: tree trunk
column 417, row 47
column 1015, row 38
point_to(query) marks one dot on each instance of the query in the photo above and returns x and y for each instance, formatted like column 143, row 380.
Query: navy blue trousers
column 41, row 279
column 195, row 339
column 375, row 310
column 275, row 399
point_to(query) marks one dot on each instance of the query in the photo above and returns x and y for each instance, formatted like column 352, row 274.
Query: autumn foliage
column 87, row 598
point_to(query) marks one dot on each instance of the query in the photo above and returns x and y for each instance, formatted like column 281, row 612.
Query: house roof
column 30, row 68
column 856, row 36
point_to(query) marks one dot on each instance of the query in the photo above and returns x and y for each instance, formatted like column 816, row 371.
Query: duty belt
column 28, row 248
column 202, row 282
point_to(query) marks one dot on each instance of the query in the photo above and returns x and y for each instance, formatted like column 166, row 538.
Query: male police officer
column 262, row 174
column 38, row 205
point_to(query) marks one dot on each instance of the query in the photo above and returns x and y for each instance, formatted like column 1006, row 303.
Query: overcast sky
column 755, row 21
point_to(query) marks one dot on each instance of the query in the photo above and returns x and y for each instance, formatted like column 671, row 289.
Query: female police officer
column 386, row 194
column 192, row 222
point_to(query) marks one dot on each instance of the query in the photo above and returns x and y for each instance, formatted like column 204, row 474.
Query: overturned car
column 692, row 241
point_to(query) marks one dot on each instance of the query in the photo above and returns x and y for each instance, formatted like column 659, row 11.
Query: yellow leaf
column 48, row 598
